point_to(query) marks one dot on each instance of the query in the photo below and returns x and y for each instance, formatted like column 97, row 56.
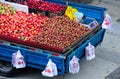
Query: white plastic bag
column 90, row 52
column 107, row 21
column 18, row 60
column 74, row 66
column 50, row 70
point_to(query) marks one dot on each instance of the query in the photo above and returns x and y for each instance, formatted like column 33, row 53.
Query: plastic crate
column 32, row 10
column 42, row 13
column 52, row 14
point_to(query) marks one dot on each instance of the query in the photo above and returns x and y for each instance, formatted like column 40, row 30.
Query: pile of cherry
column 60, row 32
column 45, row 6
column 21, row 25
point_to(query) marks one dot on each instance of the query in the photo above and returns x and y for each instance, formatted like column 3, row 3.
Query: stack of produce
column 60, row 32
column 33, row 4
column 47, row 7
column 6, row 9
column 51, row 7
column 21, row 25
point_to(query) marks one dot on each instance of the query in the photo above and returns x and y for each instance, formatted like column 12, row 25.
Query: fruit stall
column 47, row 32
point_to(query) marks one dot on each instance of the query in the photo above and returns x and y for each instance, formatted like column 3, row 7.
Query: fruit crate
column 42, row 13
column 30, row 44
column 32, row 10
column 52, row 14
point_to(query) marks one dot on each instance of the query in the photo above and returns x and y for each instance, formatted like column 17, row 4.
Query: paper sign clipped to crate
column 50, row 70
column 18, row 60
column 74, row 66
column 90, row 52
column 107, row 21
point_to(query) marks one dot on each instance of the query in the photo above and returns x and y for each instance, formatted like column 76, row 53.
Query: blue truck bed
column 38, row 58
